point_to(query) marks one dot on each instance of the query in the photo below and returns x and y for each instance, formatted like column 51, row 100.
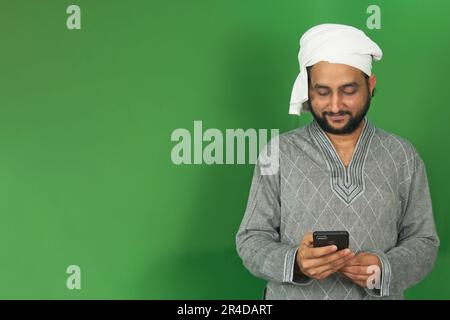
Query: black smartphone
column 327, row 238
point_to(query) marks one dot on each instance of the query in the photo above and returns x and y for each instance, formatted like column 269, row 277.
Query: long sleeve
column 415, row 253
column 258, row 238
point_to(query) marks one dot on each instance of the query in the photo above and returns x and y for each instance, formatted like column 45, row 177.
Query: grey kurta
column 382, row 199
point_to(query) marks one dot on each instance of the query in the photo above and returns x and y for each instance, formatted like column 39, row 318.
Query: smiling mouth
column 337, row 118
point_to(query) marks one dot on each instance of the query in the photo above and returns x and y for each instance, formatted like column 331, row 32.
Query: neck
column 346, row 140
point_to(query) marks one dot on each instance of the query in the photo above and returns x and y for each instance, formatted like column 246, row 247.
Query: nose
column 335, row 102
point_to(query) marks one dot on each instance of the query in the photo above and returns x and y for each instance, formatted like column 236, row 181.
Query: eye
column 349, row 90
column 322, row 93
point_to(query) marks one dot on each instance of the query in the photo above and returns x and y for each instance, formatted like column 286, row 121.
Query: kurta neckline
column 346, row 182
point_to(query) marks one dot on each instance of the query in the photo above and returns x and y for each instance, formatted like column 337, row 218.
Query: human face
column 339, row 96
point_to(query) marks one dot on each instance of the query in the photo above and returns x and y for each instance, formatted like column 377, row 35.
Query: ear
column 372, row 83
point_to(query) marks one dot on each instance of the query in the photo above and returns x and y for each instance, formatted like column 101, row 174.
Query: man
column 339, row 172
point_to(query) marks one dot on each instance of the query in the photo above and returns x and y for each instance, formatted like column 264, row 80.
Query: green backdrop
column 86, row 118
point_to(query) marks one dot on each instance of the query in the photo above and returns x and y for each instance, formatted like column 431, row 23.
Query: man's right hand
column 319, row 263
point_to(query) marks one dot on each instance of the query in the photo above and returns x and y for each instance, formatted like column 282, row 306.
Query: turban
column 335, row 43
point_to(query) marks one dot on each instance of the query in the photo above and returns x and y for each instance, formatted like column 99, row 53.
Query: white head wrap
column 335, row 43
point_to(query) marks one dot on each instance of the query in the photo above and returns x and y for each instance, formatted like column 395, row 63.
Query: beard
column 352, row 124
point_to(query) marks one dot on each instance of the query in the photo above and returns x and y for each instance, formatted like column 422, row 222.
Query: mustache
column 340, row 113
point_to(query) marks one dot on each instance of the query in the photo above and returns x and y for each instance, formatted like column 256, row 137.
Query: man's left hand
column 357, row 268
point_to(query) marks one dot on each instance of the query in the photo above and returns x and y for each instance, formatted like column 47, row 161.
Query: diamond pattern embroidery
column 310, row 203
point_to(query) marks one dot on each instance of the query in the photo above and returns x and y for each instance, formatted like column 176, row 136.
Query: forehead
column 334, row 74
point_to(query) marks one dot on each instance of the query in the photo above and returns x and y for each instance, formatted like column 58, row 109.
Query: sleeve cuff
column 385, row 275
column 290, row 274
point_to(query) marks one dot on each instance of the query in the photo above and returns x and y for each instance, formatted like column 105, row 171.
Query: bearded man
column 338, row 172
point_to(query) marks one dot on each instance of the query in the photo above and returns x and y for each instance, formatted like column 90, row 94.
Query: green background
column 86, row 117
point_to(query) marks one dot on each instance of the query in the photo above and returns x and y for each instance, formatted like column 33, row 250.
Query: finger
column 346, row 275
column 364, row 259
column 357, row 269
column 356, row 261
column 329, row 258
column 314, row 253
column 328, row 269
column 308, row 239
column 356, row 277
column 325, row 274
column 335, row 264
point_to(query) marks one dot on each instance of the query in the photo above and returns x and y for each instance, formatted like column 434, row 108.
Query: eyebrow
column 350, row 84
